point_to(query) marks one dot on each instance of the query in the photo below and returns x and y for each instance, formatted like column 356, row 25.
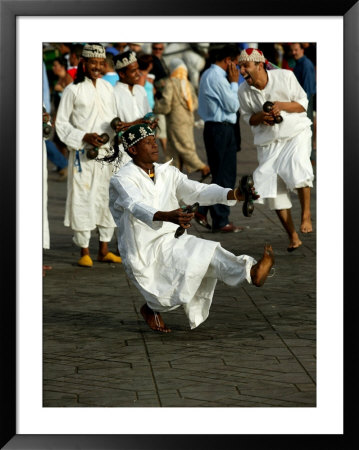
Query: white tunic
column 282, row 149
column 169, row 272
column 282, row 86
column 45, row 220
column 131, row 105
column 85, row 108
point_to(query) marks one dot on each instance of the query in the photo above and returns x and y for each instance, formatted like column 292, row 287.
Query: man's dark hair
column 144, row 61
column 62, row 61
column 76, row 49
column 109, row 60
column 300, row 45
column 225, row 51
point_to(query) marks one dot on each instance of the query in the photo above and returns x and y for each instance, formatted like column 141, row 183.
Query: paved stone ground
column 257, row 348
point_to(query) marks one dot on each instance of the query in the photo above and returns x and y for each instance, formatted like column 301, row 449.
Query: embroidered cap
column 94, row 51
column 136, row 133
column 124, row 60
column 252, row 54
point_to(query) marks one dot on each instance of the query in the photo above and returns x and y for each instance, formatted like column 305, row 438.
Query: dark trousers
column 221, row 148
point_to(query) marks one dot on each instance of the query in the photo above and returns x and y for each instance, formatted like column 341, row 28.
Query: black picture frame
column 10, row 9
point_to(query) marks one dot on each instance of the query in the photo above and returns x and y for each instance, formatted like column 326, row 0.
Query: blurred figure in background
column 74, row 59
column 145, row 65
column 178, row 102
column 304, row 70
column 161, row 73
column 59, row 67
column 136, row 47
column 109, row 70
column 218, row 107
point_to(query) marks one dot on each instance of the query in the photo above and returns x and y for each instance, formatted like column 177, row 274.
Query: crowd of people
column 112, row 106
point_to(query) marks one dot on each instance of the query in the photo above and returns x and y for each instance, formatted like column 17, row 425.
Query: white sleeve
column 130, row 198
column 191, row 191
column 67, row 133
column 245, row 110
column 297, row 93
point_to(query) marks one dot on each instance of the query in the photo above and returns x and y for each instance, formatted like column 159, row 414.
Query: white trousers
column 224, row 266
column 231, row 269
column 45, row 220
column 82, row 238
column 283, row 167
column 282, row 200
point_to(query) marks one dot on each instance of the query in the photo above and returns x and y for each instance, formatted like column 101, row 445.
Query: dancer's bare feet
column 306, row 225
column 259, row 271
column 153, row 319
column 294, row 243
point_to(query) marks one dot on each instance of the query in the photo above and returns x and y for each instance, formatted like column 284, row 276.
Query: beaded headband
column 124, row 62
column 252, row 54
column 93, row 51
column 136, row 133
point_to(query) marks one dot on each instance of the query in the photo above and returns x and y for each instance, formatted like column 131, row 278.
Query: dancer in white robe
column 145, row 201
column 131, row 98
column 45, row 220
column 283, row 149
column 86, row 109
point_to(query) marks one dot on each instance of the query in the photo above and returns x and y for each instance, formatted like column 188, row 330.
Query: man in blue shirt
column 304, row 70
column 218, row 105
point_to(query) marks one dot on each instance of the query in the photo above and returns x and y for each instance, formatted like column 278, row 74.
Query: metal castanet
column 268, row 107
column 246, row 185
column 188, row 209
column 92, row 153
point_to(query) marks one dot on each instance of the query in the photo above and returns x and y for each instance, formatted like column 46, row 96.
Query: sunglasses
column 157, row 48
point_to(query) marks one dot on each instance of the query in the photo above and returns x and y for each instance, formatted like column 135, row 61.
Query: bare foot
column 153, row 319
column 306, row 225
column 259, row 271
column 294, row 243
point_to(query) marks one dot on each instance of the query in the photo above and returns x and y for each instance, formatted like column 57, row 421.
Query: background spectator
column 109, row 70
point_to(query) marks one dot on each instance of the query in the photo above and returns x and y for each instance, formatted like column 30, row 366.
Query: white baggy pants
column 82, row 238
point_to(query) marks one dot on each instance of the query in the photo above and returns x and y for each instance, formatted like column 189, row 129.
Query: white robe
column 45, row 220
column 131, row 105
column 282, row 149
column 85, row 108
column 169, row 272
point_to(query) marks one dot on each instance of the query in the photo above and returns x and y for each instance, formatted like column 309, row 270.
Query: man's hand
column 268, row 119
column 238, row 195
column 154, row 124
column 93, row 139
column 277, row 108
column 233, row 73
column 176, row 216
column 261, row 117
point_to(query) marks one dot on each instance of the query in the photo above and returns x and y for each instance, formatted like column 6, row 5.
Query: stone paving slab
column 256, row 349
